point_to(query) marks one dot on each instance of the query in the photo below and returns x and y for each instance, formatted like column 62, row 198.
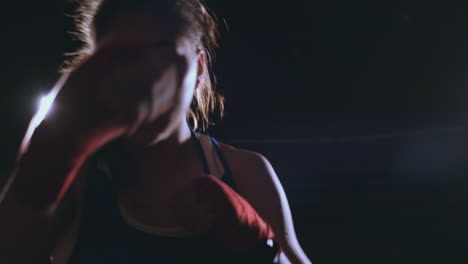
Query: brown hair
column 91, row 22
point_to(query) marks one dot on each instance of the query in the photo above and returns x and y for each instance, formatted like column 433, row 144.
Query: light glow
column 45, row 105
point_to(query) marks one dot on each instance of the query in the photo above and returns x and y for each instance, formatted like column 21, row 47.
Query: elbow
column 292, row 253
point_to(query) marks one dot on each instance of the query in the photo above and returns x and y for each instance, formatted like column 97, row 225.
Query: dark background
column 359, row 105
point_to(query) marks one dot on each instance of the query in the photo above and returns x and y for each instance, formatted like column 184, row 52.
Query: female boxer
column 114, row 173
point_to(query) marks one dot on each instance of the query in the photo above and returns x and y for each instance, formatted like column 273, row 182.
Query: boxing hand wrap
column 55, row 153
column 235, row 221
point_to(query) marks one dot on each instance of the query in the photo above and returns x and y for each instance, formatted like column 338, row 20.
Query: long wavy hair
column 196, row 20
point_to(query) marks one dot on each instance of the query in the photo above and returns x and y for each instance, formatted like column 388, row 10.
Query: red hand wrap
column 235, row 223
column 55, row 154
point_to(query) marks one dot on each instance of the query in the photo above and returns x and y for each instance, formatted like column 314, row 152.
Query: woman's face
column 167, row 44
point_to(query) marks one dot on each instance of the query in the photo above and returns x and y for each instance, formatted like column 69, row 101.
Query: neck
column 178, row 140
column 167, row 156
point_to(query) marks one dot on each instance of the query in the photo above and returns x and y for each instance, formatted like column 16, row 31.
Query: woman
column 115, row 174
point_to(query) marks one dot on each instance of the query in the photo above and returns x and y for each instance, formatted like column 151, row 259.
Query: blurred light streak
column 45, row 106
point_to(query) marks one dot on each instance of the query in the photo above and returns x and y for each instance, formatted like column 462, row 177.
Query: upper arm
column 258, row 183
column 28, row 235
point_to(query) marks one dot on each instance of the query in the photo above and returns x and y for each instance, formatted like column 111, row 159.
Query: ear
column 200, row 68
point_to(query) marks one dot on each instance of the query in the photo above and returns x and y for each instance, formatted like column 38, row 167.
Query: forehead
column 145, row 28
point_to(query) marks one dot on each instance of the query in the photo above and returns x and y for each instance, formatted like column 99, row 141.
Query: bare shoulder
column 252, row 172
column 244, row 161
column 258, row 183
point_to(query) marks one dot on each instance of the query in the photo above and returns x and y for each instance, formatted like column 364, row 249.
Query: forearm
column 283, row 259
column 26, row 235
column 55, row 152
column 293, row 253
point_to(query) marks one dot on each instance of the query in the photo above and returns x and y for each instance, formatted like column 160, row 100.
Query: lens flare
column 45, row 105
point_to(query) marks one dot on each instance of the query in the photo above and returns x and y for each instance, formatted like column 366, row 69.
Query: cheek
column 189, row 84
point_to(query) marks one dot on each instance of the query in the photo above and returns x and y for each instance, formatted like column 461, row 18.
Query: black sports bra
column 105, row 237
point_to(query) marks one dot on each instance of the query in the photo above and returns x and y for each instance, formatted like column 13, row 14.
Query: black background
column 359, row 105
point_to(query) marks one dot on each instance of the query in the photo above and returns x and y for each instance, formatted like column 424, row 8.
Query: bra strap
column 206, row 168
column 227, row 177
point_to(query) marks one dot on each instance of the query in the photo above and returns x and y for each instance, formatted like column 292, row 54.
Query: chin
column 154, row 133
column 145, row 138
